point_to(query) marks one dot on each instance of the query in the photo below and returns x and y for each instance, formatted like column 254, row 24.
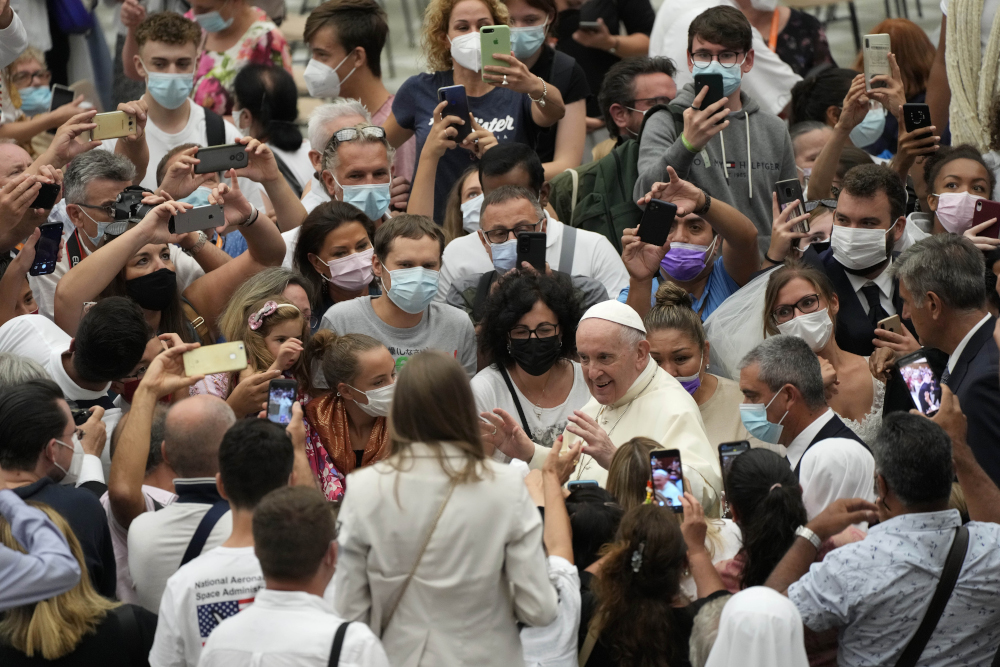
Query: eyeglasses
column 501, row 234
column 727, row 59
column 108, row 209
column 314, row 322
column 22, row 79
column 807, row 304
column 653, row 101
column 352, row 133
column 135, row 376
column 811, row 206
column 543, row 330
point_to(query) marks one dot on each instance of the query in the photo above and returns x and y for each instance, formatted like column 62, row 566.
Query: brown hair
column 292, row 530
column 435, row 34
column 338, row 356
column 407, row 226
column 550, row 9
column 725, row 26
column 630, row 471
column 453, row 218
column 782, row 276
column 169, row 28
column 914, row 53
column 673, row 311
column 358, row 23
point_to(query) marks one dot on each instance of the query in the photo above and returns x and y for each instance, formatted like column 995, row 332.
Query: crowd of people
column 557, row 383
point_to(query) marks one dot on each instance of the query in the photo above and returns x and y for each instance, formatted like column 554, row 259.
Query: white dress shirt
column 884, row 283
column 877, row 591
column 953, row 359
column 289, row 629
column 832, row 469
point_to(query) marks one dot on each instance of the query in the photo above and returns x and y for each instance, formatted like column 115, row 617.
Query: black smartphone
column 47, row 249
column 916, row 116
column 668, row 478
column 789, row 191
column 47, row 195
column 575, row 484
column 714, row 83
column 921, row 381
column 657, row 219
column 458, row 106
column 728, row 451
column 589, row 26
column 209, row 216
column 281, row 396
column 221, row 158
column 61, row 95
column 531, row 249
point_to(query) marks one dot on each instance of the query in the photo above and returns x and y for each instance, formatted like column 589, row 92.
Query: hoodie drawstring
column 725, row 166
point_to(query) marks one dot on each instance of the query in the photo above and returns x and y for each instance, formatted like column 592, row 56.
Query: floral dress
column 261, row 44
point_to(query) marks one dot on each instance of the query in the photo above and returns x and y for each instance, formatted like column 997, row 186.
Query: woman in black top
column 78, row 627
column 560, row 147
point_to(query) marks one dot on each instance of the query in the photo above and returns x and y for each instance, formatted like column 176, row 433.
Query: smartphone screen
column 280, row 399
column 46, row 249
column 922, row 383
column 668, row 479
column 728, row 451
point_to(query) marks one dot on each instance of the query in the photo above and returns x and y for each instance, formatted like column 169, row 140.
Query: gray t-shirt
column 442, row 327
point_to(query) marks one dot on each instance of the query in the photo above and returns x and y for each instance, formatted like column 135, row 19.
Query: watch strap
column 808, row 534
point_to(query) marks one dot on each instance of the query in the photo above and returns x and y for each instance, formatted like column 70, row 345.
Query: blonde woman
column 78, row 627
column 440, row 547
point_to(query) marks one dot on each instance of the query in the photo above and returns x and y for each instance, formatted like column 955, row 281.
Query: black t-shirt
column 573, row 89
column 108, row 646
column 86, row 516
column 636, row 15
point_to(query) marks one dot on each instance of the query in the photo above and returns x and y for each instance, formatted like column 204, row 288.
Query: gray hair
column 15, row 370
column 329, row 162
column 913, row 454
column 705, row 630
column 506, row 193
column 90, row 166
column 788, row 360
column 630, row 337
column 192, row 433
column 322, row 116
column 807, row 126
column 948, row 265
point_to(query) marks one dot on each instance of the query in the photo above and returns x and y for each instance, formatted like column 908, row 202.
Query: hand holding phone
column 281, row 397
column 668, row 478
column 531, row 249
column 46, row 249
column 47, row 196
column 984, row 211
column 916, row 116
column 494, row 39
column 922, row 382
column 220, row 358
column 657, row 219
column 221, row 158
column 788, row 192
column 876, row 59
column 458, row 106
column 892, row 323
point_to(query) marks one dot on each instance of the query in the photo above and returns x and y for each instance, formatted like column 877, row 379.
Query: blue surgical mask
column 199, row 197
column 754, row 416
column 731, row 76
column 169, row 90
column 412, row 289
column 372, row 199
column 504, row 255
column 35, row 100
column 101, row 228
column 213, row 21
column 868, row 131
column 525, row 41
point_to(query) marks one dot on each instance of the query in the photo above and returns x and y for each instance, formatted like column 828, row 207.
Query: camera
column 80, row 416
column 129, row 208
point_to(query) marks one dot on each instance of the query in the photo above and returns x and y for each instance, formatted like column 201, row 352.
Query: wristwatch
column 707, row 205
column 545, row 91
column 614, row 49
column 252, row 218
column 196, row 248
column 813, row 538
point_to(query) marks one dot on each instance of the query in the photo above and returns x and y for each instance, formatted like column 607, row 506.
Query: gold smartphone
column 112, row 125
column 892, row 324
column 221, row 358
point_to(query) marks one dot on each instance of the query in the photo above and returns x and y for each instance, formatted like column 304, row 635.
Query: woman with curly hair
column 528, row 338
column 508, row 102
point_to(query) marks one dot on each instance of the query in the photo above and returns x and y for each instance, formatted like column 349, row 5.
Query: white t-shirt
column 465, row 260
column 546, row 424
column 554, row 645
column 291, row 238
column 317, row 195
column 298, row 161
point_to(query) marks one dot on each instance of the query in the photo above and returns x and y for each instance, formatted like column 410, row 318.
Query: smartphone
column 61, row 95
column 714, row 83
column 876, row 56
column 281, row 395
column 987, row 210
column 47, row 249
column 220, row 358
column 921, row 381
column 656, row 221
column 494, row 39
column 209, row 216
column 668, row 478
column 589, row 26
column 47, row 196
column 112, row 125
column 221, row 158
column 575, row 484
column 789, row 191
column 531, row 249
column 458, row 106
column 916, row 116
column 892, row 323
column 728, row 451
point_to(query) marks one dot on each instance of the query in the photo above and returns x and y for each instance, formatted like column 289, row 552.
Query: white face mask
column 859, row 249
column 238, row 122
column 470, row 214
column 73, row 474
column 323, row 80
column 379, row 400
column 814, row 328
column 466, row 50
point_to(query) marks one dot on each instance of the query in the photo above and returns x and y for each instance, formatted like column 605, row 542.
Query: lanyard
column 772, row 40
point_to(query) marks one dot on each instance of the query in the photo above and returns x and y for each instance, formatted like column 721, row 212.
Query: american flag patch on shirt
column 210, row 615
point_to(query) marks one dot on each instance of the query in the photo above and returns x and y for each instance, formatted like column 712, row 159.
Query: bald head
column 192, row 434
column 613, row 356
column 13, row 161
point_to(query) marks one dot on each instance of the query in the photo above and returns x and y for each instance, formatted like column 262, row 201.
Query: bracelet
column 252, row 218
column 545, row 90
column 687, row 144
column 773, row 261
column 704, row 209
column 196, row 248
column 806, row 533
column 614, row 49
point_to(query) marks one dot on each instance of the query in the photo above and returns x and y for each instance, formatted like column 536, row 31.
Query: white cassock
column 655, row 406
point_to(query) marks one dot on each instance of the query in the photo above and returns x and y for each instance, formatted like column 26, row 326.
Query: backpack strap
column 215, row 128
column 338, row 644
column 589, row 643
column 568, row 250
column 204, row 529
column 574, row 176
column 289, row 175
column 676, row 112
column 949, row 575
column 130, row 633
column 517, row 403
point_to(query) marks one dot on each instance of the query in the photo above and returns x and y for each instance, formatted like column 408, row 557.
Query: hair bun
column 671, row 294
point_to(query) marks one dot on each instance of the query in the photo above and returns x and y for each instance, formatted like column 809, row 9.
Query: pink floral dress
column 331, row 480
column 261, row 44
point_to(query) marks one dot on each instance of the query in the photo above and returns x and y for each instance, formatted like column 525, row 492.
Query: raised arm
column 825, row 168
column 135, row 147
column 558, row 534
column 132, row 15
column 938, row 90
column 18, row 197
column 518, row 78
column 396, row 135
column 263, row 169
column 67, row 143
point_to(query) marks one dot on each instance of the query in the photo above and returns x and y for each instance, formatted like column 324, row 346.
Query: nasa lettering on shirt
column 494, row 126
column 219, row 598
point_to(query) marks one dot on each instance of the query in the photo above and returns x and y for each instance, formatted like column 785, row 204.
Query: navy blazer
column 976, row 383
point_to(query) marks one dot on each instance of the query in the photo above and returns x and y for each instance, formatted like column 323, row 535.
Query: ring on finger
column 494, row 431
column 504, row 83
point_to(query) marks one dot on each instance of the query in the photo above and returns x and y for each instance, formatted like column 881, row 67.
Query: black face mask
column 821, row 246
column 535, row 356
column 153, row 291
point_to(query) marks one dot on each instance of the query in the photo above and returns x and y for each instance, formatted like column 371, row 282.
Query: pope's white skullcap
column 617, row 312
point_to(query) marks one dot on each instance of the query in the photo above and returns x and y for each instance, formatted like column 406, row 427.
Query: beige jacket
column 484, row 568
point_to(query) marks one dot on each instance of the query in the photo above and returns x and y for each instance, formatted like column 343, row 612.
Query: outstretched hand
column 500, row 430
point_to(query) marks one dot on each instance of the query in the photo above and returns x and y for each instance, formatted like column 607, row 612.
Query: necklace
column 537, row 409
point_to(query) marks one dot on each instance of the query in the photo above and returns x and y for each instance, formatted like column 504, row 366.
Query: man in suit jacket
column 941, row 282
column 869, row 220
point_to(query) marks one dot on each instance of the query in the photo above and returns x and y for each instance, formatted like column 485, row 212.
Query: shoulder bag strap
column 215, row 128
column 289, row 175
column 203, row 530
column 130, row 633
column 568, row 250
column 338, row 644
column 575, row 177
column 589, row 643
column 949, row 575
column 517, row 403
column 402, row 591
